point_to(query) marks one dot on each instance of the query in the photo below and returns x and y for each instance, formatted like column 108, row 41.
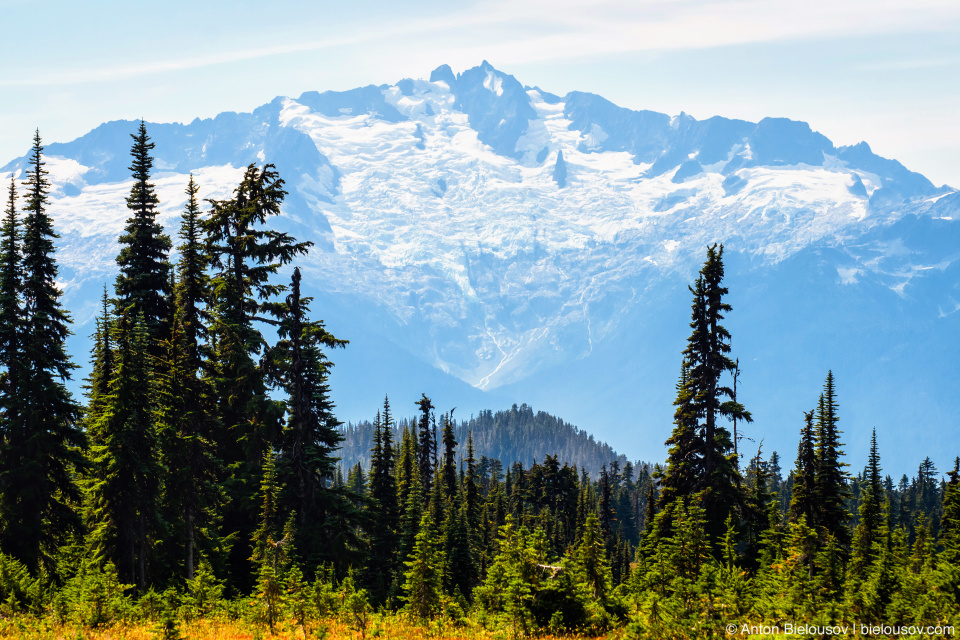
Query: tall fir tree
column 312, row 434
column 186, row 415
column 11, row 360
column 427, row 444
column 872, row 499
column 38, row 488
column 244, row 256
column 423, row 579
column 11, row 310
column 685, row 444
column 187, row 423
column 272, row 550
column 192, row 292
column 831, row 489
column 125, row 458
column 382, row 563
column 144, row 278
column 701, row 454
column 102, row 364
column 803, row 501
column 450, row 484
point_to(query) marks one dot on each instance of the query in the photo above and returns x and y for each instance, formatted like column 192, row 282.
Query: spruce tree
column 126, row 459
column 272, row 550
column 406, row 469
column 244, row 256
column 11, row 361
column 312, row 432
column 186, row 415
column 382, row 563
column 450, row 485
column 102, row 362
column 831, row 489
column 872, row 499
column 427, row 449
column 803, row 499
column 43, row 443
column 192, row 293
column 410, row 519
column 144, row 278
column 701, row 457
column 950, row 527
column 11, row 311
column 423, row 579
column 473, row 506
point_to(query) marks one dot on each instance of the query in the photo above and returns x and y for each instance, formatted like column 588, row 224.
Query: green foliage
column 125, row 459
column 42, row 441
column 324, row 597
column 94, row 597
column 272, row 553
column 204, row 592
column 384, row 537
column 701, row 458
column 19, row 591
column 831, row 488
column 244, row 255
column 311, row 435
column 354, row 605
column 144, row 278
column 423, row 579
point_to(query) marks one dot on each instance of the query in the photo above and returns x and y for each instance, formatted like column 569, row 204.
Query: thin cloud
column 538, row 30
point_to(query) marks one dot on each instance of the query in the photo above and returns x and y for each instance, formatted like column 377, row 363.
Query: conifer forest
column 202, row 487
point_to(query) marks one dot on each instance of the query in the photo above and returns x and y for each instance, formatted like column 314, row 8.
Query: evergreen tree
column 382, row 565
column 244, row 256
column 144, row 278
column 11, row 313
column 38, row 487
column 427, row 449
column 423, row 582
column 868, row 531
column 701, row 457
column 192, row 293
column 831, row 489
column 450, row 485
column 126, row 459
column 11, row 360
column 947, row 577
column 413, row 512
column 803, row 498
column 271, row 552
column 591, row 560
column 411, row 509
column 186, row 414
column 459, row 566
column 312, row 433
column 685, row 444
column 102, row 360
column 186, row 422
column 950, row 527
column 472, row 498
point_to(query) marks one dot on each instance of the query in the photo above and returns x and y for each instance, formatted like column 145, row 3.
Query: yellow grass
column 380, row 628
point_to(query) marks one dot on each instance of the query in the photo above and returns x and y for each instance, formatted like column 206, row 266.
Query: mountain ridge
column 443, row 232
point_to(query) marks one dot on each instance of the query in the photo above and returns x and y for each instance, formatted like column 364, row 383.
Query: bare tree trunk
column 190, row 543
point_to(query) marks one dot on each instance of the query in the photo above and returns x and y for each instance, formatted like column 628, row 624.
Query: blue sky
column 884, row 71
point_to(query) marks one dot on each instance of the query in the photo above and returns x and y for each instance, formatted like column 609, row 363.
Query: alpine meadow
column 192, row 476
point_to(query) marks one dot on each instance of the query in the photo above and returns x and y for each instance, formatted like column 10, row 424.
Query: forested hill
column 517, row 434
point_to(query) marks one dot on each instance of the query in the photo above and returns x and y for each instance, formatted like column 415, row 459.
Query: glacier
column 503, row 244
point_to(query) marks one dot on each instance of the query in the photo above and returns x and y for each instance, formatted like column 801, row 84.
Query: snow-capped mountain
column 473, row 234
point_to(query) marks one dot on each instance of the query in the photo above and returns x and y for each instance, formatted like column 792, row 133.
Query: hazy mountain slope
column 517, row 434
